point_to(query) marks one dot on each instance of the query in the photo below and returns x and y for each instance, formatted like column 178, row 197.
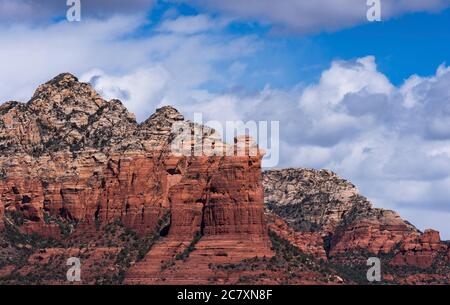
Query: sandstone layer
column 310, row 243
column 71, row 160
column 319, row 203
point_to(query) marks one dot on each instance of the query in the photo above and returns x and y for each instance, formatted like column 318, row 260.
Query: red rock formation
column 419, row 251
column 2, row 212
column 310, row 243
column 376, row 231
column 69, row 157
column 94, row 261
column 220, row 199
column 68, row 154
column 84, row 160
column 218, row 196
column 72, row 164
column 422, row 279
column 127, row 187
column 321, row 202
column 161, row 266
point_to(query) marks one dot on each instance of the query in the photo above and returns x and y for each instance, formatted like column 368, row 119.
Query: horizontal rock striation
column 319, row 202
column 372, row 229
column 420, row 251
column 219, row 200
column 310, row 243
column 69, row 158
column 219, row 196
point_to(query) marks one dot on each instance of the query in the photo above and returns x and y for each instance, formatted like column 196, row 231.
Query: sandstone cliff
column 320, row 201
column 68, row 153
column 72, row 162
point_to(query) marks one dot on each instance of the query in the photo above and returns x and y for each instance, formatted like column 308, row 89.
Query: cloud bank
column 314, row 16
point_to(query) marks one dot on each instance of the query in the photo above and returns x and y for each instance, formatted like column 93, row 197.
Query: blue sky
column 412, row 44
column 370, row 101
column 405, row 45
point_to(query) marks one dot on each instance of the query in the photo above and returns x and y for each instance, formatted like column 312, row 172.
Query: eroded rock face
column 320, row 201
column 68, row 155
column 64, row 115
column 72, row 164
column 127, row 187
column 219, row 196
column 310, row 243
column 2, row 212
column 220, row 200
column 374, row 230
column 420, row 251
column 308, row 199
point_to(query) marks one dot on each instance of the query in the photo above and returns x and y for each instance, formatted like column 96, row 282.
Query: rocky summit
column 325, row 216
column 79, row 177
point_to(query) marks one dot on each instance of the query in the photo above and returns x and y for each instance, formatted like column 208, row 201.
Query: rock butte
column 73, row 165
column 71, row 155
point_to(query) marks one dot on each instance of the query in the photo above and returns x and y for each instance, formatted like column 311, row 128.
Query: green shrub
column 184, row 256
